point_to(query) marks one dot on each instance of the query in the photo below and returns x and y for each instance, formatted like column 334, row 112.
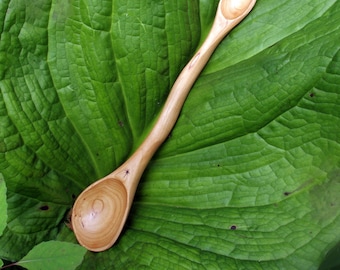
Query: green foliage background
column 248, row 179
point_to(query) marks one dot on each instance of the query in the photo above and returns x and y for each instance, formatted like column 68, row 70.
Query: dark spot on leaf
column 273, row 45
column 302, row 186
column 312, row 95
column 120, row 123
column 233, row 227
column 44, row 208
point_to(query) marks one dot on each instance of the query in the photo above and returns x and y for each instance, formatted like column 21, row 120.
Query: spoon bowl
column 99, row 213
column 101, row 210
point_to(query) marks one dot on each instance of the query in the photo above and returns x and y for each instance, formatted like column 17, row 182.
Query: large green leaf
column 249, row 177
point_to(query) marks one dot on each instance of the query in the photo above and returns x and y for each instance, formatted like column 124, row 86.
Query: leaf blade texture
column 249, row 176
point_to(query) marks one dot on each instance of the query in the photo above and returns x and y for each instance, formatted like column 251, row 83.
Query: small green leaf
column 3, row 205
column 53, row 255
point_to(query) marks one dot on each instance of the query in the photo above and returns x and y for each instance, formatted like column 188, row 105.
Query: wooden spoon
column 100, row 211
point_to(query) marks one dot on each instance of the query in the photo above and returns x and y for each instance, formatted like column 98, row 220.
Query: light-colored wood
column 100, row 211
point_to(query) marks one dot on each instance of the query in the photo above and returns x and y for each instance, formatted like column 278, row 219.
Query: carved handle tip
column 233, row 9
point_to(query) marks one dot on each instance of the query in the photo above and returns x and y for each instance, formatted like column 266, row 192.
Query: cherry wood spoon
column 101, row 210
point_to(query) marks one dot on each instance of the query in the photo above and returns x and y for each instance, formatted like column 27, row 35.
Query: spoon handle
column 229, row 14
